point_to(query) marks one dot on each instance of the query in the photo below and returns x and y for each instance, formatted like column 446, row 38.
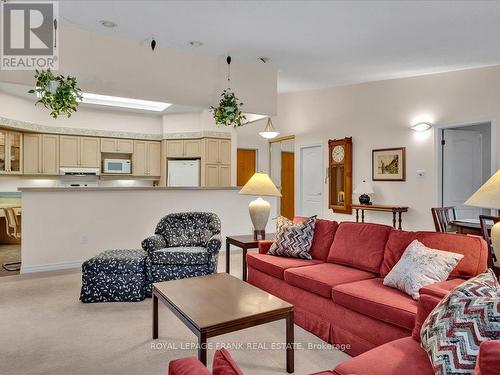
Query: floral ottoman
column 116, row 276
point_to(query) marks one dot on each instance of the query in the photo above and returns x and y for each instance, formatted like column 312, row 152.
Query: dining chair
column 442, row 217
column 486, row 223
column 13, row 230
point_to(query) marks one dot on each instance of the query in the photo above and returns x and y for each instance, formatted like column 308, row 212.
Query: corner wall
column 378, row 115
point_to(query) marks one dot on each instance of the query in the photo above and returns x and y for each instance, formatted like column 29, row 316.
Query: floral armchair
column 184, row 245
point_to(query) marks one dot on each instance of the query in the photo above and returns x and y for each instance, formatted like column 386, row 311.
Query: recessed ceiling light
column 115, row 101
column 195, row 43
column 264, row 59
column 107, row 23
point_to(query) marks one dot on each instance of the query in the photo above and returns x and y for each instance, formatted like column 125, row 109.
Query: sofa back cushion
column 323, row 236
column 224, row 364
column 188, row 228
column 473, row 248
column 359, row 245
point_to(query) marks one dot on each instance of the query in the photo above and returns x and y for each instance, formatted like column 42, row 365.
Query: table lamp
column 488, row 196
column 260, row 185
column 364, row 189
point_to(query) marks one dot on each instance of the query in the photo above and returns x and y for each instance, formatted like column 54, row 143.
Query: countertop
column 119, row 188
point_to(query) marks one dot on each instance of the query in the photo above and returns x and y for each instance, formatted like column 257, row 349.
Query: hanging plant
column 228, row 113
column 58, row 93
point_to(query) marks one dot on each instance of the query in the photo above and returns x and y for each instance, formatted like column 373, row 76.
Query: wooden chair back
column 442, row 217
column 486, row 223
column 13, row 227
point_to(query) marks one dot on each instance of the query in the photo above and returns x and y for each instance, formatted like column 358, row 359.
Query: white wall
column 248, row 138
column 378, row 115
column 63, row 228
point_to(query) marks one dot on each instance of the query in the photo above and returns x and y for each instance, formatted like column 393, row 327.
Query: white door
column 462, row 170
column 311, row 181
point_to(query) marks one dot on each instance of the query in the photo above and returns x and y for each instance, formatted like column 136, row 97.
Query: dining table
column 467, row 226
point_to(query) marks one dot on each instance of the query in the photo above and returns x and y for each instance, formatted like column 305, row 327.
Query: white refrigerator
column 183, row 173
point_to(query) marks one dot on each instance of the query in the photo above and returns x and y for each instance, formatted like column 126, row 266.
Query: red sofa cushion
column 276, row 266
column 403, row 356
column 324, row 232
column 372, row 298
column 473, row 248
column 321, row 278
column 187, row 366
column 426, row 303
column 488, row 362
column 359, row 245
column 224, row 364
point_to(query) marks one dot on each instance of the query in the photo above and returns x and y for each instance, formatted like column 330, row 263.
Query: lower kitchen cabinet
column 217, row 175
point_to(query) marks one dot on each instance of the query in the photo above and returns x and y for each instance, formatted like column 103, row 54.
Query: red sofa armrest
column 426, row 303
column 488, row 361
column 442, row 288
column 264, row 246
column 187, row 366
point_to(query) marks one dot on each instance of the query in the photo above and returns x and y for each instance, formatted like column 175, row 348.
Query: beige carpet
column 44, row 329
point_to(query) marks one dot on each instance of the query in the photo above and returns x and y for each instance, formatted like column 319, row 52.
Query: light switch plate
column 421, row 173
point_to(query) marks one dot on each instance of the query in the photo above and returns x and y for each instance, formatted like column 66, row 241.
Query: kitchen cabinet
column 114, row 145
column 186, row 148
column 217, row 151
column 41, row 154
column 217, row 175
column 10, row 152
column 75, row 151
column 146, row 158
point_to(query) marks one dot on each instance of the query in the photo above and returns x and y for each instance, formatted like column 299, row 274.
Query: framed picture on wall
column 389, row 164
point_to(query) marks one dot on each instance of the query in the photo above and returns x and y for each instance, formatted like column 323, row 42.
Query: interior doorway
column 246, row 165
column 282, row 172
column 311, row 180
column 465, row 163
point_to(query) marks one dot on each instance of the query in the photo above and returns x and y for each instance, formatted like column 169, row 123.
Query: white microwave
column 116, row 166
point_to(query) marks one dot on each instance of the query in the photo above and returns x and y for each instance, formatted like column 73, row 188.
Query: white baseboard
column 51, row 267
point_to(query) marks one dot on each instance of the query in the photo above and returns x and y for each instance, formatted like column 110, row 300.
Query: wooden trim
column 281, row 139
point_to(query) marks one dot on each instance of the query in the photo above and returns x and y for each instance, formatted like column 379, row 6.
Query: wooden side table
column 244, row 242
column 381, row 208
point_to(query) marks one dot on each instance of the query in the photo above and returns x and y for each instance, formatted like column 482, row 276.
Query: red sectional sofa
column 339, row 295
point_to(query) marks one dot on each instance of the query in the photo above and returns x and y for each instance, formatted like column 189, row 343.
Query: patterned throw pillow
column 420, row 266
column 293, row 240
column 468, row 316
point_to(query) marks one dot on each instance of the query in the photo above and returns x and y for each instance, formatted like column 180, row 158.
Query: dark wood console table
column 381, row 208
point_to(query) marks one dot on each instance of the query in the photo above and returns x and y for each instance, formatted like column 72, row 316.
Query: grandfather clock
column 340, row 175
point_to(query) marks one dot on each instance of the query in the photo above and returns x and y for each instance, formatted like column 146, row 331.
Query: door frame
column 299, row 185
column 437, row 149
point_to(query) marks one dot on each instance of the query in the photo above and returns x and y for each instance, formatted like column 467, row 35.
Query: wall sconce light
column 421, row 126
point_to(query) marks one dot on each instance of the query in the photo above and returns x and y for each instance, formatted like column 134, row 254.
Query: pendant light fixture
column 269, row 132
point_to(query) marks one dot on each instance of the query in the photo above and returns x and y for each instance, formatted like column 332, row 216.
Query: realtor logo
column 29, row 35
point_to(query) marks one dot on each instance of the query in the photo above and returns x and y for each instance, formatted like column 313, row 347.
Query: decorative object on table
column 340, row 175
column 389, row 164
column 420, row 266
column 293, row 240
column 58, row 93
column 228, row 113
column 269, row 132
column 488, row 196
column 260, row 185
column 396, row 210
column 184, row 245
column 364, row 189
column 454, row 330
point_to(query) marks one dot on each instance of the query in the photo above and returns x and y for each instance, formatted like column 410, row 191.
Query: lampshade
column 488, row 195
column 269, row 132
column 364, row 188
column 260, row 184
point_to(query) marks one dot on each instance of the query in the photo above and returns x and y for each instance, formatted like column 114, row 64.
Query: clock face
column 338, row 153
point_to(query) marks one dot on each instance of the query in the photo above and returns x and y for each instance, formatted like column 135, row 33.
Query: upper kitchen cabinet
column 146, row 158
column 79, row 152
column 10, row 152
column 41, row 154
column 184, row 148
column 217, row 151
column 113, row 145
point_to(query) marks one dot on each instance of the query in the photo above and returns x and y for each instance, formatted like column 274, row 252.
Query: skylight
column 115, row 101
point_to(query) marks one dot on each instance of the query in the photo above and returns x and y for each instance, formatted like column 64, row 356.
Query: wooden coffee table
column 217, row 304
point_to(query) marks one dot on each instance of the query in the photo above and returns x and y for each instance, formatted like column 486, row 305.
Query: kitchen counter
column 120, row 188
